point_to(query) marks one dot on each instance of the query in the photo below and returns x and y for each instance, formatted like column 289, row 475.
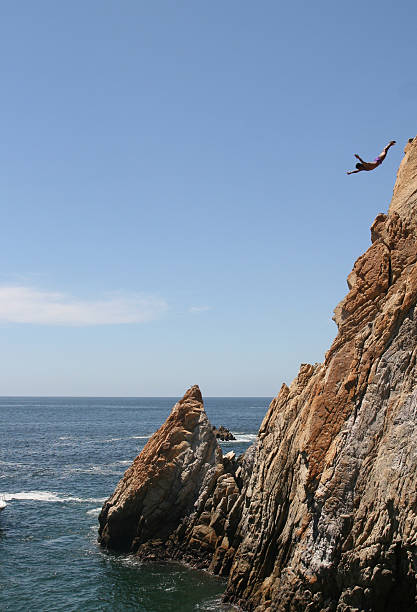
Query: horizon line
column 128, row 396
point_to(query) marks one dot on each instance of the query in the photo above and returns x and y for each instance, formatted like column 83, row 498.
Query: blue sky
column 175, row 208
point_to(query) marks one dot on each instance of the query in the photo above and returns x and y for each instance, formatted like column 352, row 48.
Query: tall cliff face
column 331, row 518
column 321, row 514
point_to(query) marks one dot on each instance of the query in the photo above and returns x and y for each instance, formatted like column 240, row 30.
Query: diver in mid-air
column 363, row 165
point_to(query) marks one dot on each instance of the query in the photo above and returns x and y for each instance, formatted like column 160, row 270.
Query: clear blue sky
column 175, row 208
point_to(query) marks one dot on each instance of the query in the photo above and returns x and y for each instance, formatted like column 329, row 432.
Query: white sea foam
column 48, row 496
column 107, row 440
column 69, row 440
column 240, row 438
column 134, row 438
column 129, row 561
column 213, row 604
column 107, row 470
column 94, row 511
column 13, row 464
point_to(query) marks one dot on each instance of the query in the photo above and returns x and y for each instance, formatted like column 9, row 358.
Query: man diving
column 363, row 165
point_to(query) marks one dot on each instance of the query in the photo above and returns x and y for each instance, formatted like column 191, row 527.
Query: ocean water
column 60, row 458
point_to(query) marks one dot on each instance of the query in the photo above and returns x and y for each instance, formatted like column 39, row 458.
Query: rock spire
column 163, row 483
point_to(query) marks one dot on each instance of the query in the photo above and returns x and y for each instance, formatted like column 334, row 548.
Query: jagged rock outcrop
column 163, row 483
column 222, row 433
column 331, row 519
column 321, row 514
column 179, row 499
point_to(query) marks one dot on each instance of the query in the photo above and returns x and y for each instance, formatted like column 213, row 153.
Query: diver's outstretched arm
column 354, row 171
column 360, row 158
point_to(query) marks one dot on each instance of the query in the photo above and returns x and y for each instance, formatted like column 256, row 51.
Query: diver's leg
column 383, row 155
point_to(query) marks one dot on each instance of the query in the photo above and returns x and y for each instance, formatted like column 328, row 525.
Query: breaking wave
column 122, row 438
column 107, row 470
column 94, row 511
column 240, row 437
column 47, row 496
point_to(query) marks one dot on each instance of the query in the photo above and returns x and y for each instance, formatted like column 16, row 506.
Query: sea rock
column 165, row 480
column 181, row 499
column 222, row 433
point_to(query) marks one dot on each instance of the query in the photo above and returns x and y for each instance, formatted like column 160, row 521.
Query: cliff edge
column 321, row 514
column 334, row 480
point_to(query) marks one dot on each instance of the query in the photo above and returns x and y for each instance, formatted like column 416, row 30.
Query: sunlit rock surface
column 165, row 479
column 321, row 514
column 331, row 520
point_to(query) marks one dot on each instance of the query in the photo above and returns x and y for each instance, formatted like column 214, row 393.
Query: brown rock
column 331, row 519
column 222, row 433
column 163, row 483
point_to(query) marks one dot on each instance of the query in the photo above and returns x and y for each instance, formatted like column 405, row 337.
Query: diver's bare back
column 367, row 166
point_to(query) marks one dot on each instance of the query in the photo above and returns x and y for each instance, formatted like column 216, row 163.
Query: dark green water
column 59, row 459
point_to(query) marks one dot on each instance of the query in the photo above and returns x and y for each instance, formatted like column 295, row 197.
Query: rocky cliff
column 322, row 513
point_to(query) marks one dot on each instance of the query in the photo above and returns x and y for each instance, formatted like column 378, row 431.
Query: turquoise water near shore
column 60, row 458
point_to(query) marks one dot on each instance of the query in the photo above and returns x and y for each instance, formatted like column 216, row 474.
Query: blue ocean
column 60, row 458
